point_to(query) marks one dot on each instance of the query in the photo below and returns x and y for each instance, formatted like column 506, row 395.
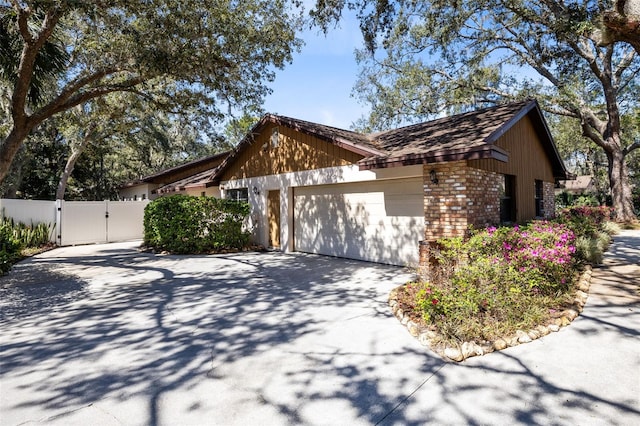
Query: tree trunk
column 620, row 184
column 9, row 149
column 71, row 163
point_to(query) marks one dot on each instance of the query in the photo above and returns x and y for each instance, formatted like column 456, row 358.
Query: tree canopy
column 425, row 58
column 210, row 57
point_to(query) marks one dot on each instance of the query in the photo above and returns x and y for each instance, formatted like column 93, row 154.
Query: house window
column 275, row 137
column 508, row 199
column 237, row 194
column 539, row 198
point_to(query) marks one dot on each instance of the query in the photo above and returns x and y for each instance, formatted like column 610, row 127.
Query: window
column 237, row 194
column 275, row 137
column 508, row 199
column 539, row 198
column 144, row 197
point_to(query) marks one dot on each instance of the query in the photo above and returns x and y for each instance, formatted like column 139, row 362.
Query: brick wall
column 463, row 196
column 549, row 200
column 445, row 202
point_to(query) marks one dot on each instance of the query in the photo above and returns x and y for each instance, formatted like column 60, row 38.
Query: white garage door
column 380, row 221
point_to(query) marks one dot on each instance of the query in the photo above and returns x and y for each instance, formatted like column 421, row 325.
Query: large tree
column 424, row 58
column 213, row 55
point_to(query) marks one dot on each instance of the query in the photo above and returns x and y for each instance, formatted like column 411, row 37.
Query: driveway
column 105, row 335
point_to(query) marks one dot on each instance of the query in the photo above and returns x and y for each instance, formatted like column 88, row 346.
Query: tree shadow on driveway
column 256, row 338
column 122, row 325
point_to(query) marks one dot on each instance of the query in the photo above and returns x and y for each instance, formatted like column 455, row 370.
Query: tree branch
column 27, row 59
column 81, row 97
column 622, row 65
column 632, row 147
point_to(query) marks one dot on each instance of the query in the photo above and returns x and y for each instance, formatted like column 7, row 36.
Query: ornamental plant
column 585, row 221
column 498, row 280
column 185, row 224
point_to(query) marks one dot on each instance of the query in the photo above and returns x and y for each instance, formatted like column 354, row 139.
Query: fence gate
column 86, row 222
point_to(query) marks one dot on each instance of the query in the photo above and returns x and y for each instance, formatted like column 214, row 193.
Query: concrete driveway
column 104, row 335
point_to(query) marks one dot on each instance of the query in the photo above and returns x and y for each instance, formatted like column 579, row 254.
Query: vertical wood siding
column 527, row 161
column 295, row 152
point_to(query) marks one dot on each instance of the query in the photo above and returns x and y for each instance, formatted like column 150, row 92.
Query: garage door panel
column 376, row 221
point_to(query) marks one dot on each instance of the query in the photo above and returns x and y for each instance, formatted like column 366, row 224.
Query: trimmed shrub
column 186, row 224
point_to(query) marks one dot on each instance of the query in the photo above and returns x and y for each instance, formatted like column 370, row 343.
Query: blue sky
column 317, row 86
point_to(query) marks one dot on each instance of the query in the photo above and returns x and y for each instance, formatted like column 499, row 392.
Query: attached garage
column 378, row 221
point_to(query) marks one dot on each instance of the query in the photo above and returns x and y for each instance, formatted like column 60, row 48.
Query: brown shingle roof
column 465, row 136
column 197, row 180
column 182, row 171
column 470, row 135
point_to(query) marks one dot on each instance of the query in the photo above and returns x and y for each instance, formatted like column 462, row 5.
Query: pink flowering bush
column 493, row 282
column 542, row 252
column 585, row 221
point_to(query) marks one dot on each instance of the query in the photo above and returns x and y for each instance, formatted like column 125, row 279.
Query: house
column 581, row 185
column 191, row 178
column 318, row 189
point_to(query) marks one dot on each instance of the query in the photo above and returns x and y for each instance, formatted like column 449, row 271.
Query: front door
column 273, row 214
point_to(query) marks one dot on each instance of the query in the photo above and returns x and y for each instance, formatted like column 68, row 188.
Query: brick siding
column 549, row 200
column 463, row 196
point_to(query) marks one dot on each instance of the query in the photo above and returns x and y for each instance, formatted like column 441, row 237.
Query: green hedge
column 186, row 224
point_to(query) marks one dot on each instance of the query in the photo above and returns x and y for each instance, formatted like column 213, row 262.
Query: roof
column 468, row 136
column 181, row 171
column 199, row 180
column 580, row 184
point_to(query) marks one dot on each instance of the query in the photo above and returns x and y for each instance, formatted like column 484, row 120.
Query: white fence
column 81, row 222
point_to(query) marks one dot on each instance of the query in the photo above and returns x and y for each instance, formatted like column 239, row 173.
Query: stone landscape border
column 466, row 350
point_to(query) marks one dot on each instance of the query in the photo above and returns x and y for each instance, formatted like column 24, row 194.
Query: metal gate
column 87, row 222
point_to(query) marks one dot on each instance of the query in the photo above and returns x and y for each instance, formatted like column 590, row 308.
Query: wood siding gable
column 294, row 151
column 528, row 162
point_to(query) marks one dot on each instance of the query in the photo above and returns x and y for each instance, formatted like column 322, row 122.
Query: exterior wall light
column 433, row 176
column 255, row 190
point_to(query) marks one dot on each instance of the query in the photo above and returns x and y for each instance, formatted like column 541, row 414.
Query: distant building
column 190, row 178
column 581, row 185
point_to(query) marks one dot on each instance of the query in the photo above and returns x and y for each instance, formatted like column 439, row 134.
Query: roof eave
column 485, row 152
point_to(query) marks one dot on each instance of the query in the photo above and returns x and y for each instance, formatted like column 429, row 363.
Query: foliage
column 9, row 247
column 186, row 224
column 585, row 221
column 499, row 280
column 30, row 236
column 427, row 58
column 214, row 57
column 15, row 237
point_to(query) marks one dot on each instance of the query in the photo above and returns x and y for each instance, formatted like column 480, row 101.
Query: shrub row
column 185, row 224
